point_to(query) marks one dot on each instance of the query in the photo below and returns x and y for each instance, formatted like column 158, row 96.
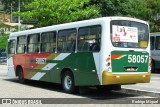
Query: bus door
column 11, row 46
column 155, row 52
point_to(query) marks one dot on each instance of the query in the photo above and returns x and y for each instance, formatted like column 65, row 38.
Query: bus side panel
column 11, row 71
column 81, row 64
column 38, row 66
column 20, row 60
column 48, row 67
column 87, row 73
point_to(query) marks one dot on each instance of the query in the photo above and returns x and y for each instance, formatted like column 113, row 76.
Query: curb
column 141, row 92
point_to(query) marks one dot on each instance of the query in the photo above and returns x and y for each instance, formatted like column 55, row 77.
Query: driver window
column 11, row 48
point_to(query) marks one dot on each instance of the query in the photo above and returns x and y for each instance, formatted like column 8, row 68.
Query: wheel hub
column 68, row 82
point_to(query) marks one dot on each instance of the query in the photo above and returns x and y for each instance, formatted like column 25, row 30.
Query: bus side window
column 11, row 48
column 152, row 42
column 89, row 39
column 158, row 43
column 67, row 40
column 48, row 42
column 21, row 44
column 33, row 43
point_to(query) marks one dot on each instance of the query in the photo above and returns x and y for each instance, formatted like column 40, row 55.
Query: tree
column 7, row 4
column 146, row 10
column 154, row 5
column 3, row 40
column 110, row 7
column 51, row 12
column 140, row 11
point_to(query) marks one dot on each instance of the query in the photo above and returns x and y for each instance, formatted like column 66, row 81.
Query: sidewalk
column 151, row 89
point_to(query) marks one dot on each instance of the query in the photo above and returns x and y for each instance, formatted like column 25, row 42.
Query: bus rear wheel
column 21, row 75
column 68, row 82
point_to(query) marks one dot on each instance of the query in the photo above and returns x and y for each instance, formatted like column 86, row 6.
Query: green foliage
column 143, row 9
column 138, row 11
column 7, row 4
column 51, row 12
column 110, row 7
column 146, row 10
column 3, row 41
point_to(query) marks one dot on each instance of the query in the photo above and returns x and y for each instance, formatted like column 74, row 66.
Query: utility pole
column 19, row 22
column 11, row 12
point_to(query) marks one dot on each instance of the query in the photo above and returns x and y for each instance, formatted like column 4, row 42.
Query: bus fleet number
column 137, row 58
column 40, row 60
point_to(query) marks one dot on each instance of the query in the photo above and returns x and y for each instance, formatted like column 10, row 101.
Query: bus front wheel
column 68, row 82
column 21, row 75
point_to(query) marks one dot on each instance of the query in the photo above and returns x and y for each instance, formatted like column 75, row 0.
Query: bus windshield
column 129, row 34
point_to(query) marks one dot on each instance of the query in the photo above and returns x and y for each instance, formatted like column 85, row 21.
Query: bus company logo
column 6, row 101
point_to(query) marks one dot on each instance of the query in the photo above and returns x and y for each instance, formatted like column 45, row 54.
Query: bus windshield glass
column 129, row 34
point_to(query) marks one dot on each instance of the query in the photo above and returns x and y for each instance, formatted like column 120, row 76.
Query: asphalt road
column 11, row 88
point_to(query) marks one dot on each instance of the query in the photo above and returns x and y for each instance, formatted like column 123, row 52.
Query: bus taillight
column 108, row 60
column 109, row 64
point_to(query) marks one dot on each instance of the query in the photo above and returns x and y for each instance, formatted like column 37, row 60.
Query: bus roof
column 73, row 24
column 155, row 34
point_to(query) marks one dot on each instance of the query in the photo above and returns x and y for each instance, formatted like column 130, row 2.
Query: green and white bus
column 155, row 51
column 106, row 51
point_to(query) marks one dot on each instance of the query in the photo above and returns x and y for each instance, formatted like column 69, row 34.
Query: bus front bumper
column 110, row 78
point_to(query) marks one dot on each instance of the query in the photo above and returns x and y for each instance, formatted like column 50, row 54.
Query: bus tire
column 21, row 75
column 68, row 83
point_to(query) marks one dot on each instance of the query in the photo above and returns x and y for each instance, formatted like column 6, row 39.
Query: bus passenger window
column 89, row 39
column 67, row 40
column 33, row 43
column 21, row 44
column 158, row 43
column 48, row 42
